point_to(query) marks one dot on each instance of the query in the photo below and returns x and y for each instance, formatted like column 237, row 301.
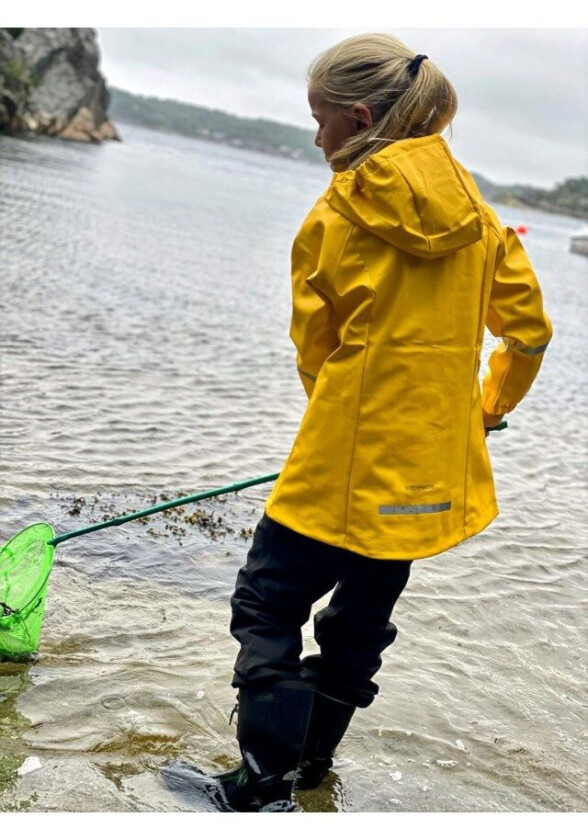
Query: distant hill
column 569, row 197
column 486, row 187
column 216, row 126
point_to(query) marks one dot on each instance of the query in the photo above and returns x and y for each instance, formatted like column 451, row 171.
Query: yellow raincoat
column 395, row 273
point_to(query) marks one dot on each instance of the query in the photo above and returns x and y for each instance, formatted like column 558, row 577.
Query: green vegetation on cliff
column 16, row 78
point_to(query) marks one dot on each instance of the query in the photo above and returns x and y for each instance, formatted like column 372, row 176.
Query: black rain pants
column 284, row 575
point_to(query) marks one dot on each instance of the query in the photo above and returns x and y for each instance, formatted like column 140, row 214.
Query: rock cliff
column 50, row 83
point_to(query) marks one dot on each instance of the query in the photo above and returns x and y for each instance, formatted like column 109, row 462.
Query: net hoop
column 26, row 561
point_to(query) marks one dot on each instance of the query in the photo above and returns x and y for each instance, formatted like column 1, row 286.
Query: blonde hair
column 374, row 70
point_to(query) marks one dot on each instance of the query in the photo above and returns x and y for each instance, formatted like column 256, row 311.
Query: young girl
column 396, row 271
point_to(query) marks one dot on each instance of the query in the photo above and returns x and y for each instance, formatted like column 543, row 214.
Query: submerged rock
column 29, row 765
column 50, row 83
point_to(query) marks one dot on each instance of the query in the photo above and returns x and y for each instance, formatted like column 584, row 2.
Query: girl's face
column 335, row 125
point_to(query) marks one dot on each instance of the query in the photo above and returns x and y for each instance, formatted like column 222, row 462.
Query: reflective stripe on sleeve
column 394, row 510
column 306, row 373
column 530, row 351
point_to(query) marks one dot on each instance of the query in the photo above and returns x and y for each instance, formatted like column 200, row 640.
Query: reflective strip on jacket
column 396, row 271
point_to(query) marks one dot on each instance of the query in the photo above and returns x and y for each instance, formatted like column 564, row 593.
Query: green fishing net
column 25, row 565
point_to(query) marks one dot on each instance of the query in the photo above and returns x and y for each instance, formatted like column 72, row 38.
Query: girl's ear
column 363, row 115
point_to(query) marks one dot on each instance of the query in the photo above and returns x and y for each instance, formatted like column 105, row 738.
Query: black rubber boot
column 271, row 728
column 328, row 724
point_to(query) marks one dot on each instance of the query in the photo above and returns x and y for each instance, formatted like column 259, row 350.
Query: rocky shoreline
column 50, row 84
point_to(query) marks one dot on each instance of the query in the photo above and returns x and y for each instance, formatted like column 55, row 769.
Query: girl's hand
column 491, row 420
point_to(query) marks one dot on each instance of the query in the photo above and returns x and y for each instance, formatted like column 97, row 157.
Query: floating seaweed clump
column 178, row 521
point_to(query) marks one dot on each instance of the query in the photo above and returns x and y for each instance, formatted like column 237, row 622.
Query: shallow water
column 145, row 352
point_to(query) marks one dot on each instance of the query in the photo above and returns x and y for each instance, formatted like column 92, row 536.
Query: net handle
column 197, row 497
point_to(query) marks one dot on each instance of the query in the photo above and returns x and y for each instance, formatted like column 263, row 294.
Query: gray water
column 145, row 352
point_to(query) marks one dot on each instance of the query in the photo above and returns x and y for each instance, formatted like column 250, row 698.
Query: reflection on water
column 14, row 681
column 145, row 351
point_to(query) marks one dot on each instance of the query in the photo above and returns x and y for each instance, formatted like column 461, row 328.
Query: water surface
column 145, row 353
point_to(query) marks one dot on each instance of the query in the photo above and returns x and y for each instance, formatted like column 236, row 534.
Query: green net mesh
column 25, row 565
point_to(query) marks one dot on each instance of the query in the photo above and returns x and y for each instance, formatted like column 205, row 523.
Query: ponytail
column 407, row 95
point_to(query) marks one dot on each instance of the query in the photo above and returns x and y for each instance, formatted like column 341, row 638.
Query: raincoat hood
column 414, row 195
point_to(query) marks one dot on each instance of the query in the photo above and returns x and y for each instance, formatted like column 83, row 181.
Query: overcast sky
column 522, row 113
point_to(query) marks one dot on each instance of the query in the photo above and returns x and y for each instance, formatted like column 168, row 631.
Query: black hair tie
column 413, row 67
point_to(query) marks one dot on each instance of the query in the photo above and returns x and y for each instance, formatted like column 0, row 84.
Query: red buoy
column 522, row 229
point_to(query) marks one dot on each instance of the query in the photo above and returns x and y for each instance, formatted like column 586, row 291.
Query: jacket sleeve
column 312, row 331
column 515, row 314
